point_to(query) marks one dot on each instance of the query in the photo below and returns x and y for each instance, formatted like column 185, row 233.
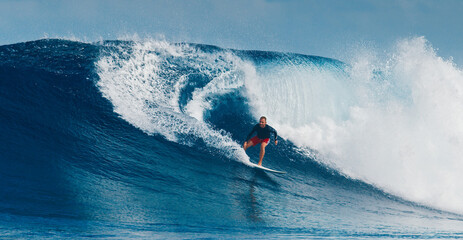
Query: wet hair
column 263, row 118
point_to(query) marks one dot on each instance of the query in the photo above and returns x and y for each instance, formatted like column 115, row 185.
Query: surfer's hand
column 276, row 142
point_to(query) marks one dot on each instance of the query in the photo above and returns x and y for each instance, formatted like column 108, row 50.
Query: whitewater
column 142, row 139
column 394, row 123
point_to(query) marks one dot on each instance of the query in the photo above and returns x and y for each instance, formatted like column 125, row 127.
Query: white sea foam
column 144, row 84
column 395, row 123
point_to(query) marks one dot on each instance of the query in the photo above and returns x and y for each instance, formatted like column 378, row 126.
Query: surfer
column 263, row 137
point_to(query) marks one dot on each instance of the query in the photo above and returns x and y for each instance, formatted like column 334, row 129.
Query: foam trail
column 395, row 123
column 144, row 82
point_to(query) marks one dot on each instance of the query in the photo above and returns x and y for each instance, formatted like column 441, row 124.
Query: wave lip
column 166, row 89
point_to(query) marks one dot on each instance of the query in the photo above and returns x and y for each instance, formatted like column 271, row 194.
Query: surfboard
column 267, row 169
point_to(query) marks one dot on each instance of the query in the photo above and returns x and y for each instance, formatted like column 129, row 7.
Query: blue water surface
column 71, row 167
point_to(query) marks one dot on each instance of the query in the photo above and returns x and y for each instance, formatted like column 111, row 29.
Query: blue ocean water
column 141, row 139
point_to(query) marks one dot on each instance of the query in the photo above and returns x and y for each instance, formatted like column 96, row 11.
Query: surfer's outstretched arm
column 254, row 129
column 248, row 143
column 275, row 134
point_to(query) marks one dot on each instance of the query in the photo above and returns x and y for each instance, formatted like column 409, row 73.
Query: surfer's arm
column 275, row 134
column 251, row 133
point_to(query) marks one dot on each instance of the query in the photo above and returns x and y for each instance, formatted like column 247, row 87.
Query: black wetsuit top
column 262, row 133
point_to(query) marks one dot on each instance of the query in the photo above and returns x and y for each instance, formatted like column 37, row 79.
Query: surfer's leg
column 262, row 152
column 248, row 144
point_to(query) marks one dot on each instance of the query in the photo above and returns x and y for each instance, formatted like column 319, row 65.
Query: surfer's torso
column 262, row 133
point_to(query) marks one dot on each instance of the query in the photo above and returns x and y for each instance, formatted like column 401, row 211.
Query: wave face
column 142, row 139
column 394, row 123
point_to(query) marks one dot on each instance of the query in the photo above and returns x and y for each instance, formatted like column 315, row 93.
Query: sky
column 326, row 28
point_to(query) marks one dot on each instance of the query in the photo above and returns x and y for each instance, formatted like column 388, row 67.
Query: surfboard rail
column 267, row 169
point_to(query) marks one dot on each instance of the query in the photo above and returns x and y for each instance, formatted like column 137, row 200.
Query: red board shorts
column 255, row 140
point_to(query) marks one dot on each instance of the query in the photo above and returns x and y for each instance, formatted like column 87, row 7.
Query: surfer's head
column 262, row 121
